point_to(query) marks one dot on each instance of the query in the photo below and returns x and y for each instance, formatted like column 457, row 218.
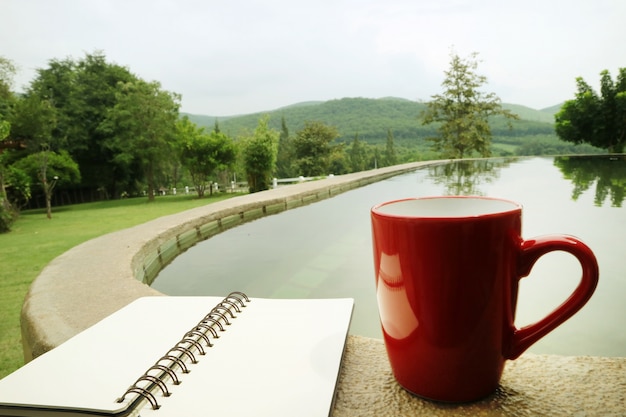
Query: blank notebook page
column 278, row 357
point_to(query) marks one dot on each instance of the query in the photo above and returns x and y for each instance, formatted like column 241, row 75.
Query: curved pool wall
column 96, row 278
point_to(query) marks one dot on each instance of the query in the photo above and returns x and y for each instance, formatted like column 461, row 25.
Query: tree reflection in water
column 464, row 177
column 608, row 172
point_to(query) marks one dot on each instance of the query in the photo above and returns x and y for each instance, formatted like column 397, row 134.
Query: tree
column 16, row 186
column 7, row 71
column 142, row 128
column 82, row 91
column 312, row 148
column 6, row 211
column 285, row 164
column 357, row 155
column 259, row 154
column 599, row 120
column 463, row 111
column 389, row 155
column 50, row 169
column 32, row 124
column 203, row 154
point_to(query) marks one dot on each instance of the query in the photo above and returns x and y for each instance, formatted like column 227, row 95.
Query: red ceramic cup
column 447, row 272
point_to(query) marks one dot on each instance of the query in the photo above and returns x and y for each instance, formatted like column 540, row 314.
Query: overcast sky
column 243, row 56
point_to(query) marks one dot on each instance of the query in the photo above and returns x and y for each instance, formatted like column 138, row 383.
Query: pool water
column 324, row 249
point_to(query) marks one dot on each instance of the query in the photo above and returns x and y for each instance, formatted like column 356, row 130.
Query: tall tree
column 7, row 72
column 357, row 155
column 389, row 155
column 285, row 166
column 6, row 211
column 463, row 111
column 142, row 128
column 32, row 124
column 599, row 120
column 259, row 155
column 82, row 91
column 204, row 154
column 313, row 149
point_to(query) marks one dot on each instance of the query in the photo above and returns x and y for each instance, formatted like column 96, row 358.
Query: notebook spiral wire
column 206, row 330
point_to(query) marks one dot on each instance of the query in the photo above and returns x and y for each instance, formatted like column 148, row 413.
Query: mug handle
column 530, row 251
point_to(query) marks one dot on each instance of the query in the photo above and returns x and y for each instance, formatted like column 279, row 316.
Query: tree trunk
column 150, row 178
column 48, row 204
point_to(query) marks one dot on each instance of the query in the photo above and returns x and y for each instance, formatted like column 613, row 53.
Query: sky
column 233, row 57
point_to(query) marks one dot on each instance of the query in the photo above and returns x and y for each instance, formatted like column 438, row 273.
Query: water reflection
column 466, row 177
column 607, row 172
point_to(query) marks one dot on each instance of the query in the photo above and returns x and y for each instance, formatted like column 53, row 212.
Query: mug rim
column 514, row 207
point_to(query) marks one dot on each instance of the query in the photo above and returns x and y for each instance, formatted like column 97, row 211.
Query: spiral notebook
column 191, row 356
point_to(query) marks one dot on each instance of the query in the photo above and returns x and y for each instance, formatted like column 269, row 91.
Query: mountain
column 552, row 109
column 526, row 113
column 371, row 119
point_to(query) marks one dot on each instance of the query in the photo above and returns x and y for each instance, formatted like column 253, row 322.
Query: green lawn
column 35, row 240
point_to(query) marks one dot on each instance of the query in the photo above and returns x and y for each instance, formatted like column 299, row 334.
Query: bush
column 7, row 215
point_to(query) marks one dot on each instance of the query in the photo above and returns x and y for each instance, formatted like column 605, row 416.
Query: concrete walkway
column 98, row 277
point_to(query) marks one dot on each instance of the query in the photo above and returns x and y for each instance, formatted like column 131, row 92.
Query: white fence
column 294, row 180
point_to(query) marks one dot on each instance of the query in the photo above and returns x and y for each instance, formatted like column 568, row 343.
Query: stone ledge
column 96, row 278
column 532, row 385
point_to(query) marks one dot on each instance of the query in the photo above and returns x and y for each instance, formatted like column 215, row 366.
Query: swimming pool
column 324, row 249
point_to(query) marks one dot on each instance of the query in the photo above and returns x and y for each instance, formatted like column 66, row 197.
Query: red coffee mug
column 447, row 272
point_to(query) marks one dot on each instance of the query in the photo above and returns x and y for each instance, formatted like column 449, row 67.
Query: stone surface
column 533, row 385
column 96, row 278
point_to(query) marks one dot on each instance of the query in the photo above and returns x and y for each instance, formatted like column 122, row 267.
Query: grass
column 35, row 240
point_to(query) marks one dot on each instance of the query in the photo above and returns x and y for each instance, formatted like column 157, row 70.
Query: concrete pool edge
column 96, row 278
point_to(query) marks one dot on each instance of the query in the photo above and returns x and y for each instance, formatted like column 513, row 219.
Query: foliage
column 59, row 165
column 357, row 155
column 462, row 111
column 389, row 156
column 203, row 154
column 7, row 215
column 313, row 150
column 142, row 128
column 338, row 161
column 7, row 211
column 32, row 124
column 7, row 72
column 599, row 120
column 48, row 168
column 259, row 152
column 82, row 91
column 5, row 128
column 17, row 186
column 543, row 145
column 285, row 160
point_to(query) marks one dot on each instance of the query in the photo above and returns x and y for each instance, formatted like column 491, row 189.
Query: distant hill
column 526, row 113
column 553, row 109
column 371, row 119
